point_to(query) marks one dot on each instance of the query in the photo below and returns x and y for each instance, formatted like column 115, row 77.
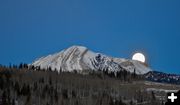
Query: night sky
column 30, row 29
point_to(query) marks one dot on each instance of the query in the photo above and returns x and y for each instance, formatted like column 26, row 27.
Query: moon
column 139, row 57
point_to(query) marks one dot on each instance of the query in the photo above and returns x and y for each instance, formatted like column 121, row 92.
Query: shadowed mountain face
column 161, row 77
column 79, row 58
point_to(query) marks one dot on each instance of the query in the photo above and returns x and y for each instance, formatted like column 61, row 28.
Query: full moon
column 138, row 57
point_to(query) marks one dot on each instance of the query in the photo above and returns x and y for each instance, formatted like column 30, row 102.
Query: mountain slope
column 80, row 58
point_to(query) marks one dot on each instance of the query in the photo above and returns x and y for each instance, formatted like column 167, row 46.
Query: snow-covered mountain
column 80, row 58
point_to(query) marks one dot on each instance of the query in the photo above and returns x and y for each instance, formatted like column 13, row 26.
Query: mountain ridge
column 81, row 58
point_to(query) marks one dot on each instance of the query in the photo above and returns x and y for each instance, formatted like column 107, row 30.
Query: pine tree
column 20, row 65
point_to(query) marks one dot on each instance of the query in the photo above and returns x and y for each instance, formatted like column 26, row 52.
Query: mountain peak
column 77, row 46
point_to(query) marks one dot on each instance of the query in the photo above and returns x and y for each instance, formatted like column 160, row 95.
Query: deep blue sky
column 33, row 28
